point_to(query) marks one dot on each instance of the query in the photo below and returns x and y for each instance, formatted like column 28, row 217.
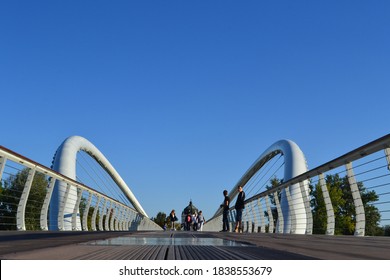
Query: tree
column 343, row 206
column 319, row 209
column 10, row 195
column 160, row 219
column 386, row 230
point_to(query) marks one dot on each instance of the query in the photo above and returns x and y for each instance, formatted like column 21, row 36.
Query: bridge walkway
column 178, row 245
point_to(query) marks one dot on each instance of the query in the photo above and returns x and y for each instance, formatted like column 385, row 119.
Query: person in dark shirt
column 225, row 213
column 239, row 208
column 173, row 219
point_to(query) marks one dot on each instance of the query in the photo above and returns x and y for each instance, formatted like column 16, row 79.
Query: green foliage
column 160, row 219
column 82, row 209
column 10, row 194
column 343, row 207
column 386, row 230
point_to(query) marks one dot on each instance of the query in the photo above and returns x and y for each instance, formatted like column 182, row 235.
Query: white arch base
column 65, row 163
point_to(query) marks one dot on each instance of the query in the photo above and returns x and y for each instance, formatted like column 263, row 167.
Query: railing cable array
column 26, row 189
column 348, row 195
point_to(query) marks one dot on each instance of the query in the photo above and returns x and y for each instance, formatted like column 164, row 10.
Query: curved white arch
column 294, row 165
column 64, row 162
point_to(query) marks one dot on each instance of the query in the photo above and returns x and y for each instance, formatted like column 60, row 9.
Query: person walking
column 201, row 221
column 194, row 222
column 225, row 213
column 173, row 219
column 239, row 208
column 188, row 221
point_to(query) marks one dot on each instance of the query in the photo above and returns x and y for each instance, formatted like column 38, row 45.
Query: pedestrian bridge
column 338, row 210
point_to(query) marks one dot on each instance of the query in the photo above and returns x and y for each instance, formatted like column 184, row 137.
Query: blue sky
column 183, row 96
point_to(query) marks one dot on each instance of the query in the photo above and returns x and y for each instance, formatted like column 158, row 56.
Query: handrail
column 123, row 219
column 52, row 173
column 370, row 148
column 303, row 181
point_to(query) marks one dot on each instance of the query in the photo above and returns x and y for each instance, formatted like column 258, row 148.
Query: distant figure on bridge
column 187, row 222
column 239, row 208
column 200, row 221
column 173, row 219
column 194, row 221
column 225, row 205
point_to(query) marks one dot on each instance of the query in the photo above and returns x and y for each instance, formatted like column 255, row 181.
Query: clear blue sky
column 183, row 96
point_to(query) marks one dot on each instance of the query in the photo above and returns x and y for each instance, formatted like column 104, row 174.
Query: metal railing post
column 306, row 203
column 357, row 200
column 46, row 203
column 101, row 228
column 113, row 218
column 76, row 210
column 280, row 222
column 261, row 213
column 108, row 217
column 86, row 211
column 3, row 160
column 20, row 216
column 254, row 223
column 330, row 224
column 387, row 153
column 94, row 215
column 270, row 215
column 292, row 226
column 62, row 208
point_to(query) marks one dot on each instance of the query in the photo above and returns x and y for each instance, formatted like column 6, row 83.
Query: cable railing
column 26, row 190
column 349, row 195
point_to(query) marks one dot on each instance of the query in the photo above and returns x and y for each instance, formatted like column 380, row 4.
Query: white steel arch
column 294, row 165
column 64, row 162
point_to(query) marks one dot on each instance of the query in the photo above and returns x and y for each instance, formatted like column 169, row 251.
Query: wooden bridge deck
column 188, row 246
